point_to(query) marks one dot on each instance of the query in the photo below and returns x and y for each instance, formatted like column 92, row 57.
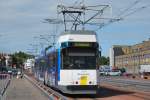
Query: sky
column 22, row 22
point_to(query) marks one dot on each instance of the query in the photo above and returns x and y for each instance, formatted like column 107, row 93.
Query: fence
column 4, row 82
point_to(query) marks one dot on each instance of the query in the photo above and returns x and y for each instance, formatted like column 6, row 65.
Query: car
column 114, row 73
column 6, row 70
column 16, row 71
column 102, row 73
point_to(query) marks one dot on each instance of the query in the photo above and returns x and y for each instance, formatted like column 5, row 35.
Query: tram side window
column 52, row 60
column 56, row 59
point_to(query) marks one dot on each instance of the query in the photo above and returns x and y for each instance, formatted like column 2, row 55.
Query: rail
column 4, row 82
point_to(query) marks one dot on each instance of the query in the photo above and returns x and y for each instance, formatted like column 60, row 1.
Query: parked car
column 101, row 73
column 16, row 71
column 4, row 69
column 114, row 73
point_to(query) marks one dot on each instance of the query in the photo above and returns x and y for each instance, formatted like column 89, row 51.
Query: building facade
column 5, row 59
column 130, row 57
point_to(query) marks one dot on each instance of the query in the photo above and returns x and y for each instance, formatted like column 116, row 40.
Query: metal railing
column 4, row 82
column 53, row 95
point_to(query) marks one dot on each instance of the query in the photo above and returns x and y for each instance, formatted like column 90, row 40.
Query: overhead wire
column 78, row 6
column 134, row 11
column 128, row 8
column 123, row 14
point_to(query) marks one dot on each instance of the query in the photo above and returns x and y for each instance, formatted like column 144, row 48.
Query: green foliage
column 19, row 58
column 104, row 60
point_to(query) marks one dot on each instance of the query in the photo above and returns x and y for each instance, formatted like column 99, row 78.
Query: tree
column 104, row 60
column 19, row 58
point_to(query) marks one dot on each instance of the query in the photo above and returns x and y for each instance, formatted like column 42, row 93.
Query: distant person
column 22, row 75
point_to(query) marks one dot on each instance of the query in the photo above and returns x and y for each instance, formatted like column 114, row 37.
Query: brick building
column 130, row 57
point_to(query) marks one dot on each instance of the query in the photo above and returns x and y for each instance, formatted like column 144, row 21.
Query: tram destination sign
column 79, row 44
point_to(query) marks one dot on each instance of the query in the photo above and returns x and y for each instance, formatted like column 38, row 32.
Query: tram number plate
column 83, row 80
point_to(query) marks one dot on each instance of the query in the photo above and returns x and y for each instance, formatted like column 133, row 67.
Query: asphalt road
column 136, row 84
column 22, row 89
column 110, row 93
column 119, row 88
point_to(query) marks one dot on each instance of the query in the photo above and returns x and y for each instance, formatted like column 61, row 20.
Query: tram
column 71, row 65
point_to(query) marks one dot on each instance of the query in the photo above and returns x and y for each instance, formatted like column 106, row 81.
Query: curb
column 49, row 92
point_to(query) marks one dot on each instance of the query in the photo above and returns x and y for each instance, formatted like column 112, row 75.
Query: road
column 22, row 89
column 111, row 93
column 119, row 88
column 134, row 84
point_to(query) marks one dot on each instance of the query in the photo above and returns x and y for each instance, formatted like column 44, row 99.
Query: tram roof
column 87, row 32
column 80, row 32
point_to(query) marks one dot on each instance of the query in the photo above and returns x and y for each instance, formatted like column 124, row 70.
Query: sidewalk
column 22, row 89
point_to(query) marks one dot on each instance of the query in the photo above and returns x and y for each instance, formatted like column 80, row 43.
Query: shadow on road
column 102, row 93
column 108, row 92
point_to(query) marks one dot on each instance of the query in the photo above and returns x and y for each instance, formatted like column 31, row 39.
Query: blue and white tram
column 72, row 64
column 40, row 67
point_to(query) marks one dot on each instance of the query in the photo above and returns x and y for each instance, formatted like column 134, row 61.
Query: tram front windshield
column 79, row 58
